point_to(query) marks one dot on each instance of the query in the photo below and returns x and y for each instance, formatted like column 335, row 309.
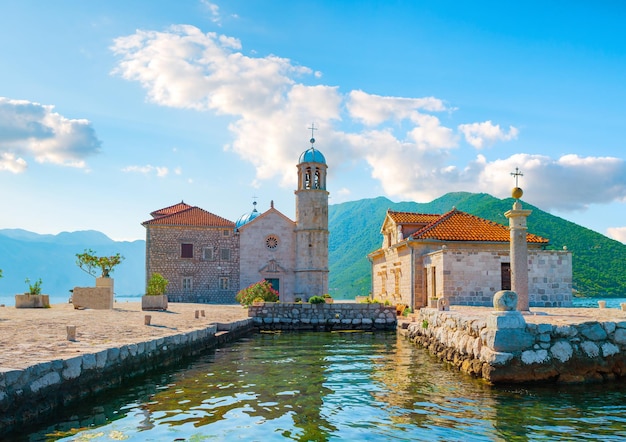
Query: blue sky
column 112, row 109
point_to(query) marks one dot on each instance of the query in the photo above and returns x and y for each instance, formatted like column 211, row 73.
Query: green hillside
column 599, row 266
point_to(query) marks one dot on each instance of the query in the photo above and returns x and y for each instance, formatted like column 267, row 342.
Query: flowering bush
column 262, row 289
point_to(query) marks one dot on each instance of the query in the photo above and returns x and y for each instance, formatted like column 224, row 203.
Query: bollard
column 202, row 313
column 197, row 314
column 147, row 319
column 601, row 304
column 71, row 332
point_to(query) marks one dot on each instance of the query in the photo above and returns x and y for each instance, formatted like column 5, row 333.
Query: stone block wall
column 586, row 352
column 26, row 394
column 163, row 255
column 323, row 317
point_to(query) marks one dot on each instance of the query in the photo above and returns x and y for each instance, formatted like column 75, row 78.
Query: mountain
column 599, row 263
column 52, row 258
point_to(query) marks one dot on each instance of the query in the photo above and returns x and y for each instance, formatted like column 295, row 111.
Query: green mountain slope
column 599, row 266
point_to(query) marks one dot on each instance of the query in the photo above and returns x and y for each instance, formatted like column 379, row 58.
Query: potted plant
column 327, row 298
column 100, row 297
column 33, row 298
column 317, row 300
column 155, row 297
column 89, row 262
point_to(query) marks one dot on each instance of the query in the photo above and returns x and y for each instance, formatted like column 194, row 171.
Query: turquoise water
column 336, row 387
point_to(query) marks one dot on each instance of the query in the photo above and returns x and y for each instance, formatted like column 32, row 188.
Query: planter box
column 32, row 301
column 328, row 300
column 154, row 302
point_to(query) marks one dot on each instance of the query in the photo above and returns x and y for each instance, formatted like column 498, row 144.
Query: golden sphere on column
column 517, row 193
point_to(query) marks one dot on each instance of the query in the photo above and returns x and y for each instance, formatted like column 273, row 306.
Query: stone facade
column 209, row 275
column 417, row 272
column 268, row 247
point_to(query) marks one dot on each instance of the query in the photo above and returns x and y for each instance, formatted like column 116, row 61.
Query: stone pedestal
column 99, row 297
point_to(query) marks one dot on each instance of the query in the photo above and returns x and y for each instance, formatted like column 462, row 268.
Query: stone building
column 463, row 259
column 207, row 258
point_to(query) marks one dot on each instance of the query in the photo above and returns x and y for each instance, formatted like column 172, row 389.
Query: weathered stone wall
column 163, row 255
column 261, row 259
column 591, row 351
column 323, row 317
column 38, row 390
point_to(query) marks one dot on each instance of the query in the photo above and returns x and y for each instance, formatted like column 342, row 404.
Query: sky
column 111, row 109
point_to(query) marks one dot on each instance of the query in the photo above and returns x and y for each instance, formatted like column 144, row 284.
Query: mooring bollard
column 147, row 319
column 71, row 332
column 202, row 313
column 601, row 304
column 197, row 314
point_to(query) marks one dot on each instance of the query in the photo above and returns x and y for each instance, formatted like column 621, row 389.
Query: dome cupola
column 247, row 217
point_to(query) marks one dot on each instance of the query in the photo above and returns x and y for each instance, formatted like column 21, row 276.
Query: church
column 462, row 259
column 208, row 259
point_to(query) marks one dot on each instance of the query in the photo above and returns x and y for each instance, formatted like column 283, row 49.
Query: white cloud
column 486, row 133
column 148, row 169
column 32, row 129
column 617, row 233
column 407, row 146
column 213, row 9
column 9, row 163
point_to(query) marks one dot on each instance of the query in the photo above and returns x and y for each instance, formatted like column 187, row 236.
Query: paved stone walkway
column 30, row 336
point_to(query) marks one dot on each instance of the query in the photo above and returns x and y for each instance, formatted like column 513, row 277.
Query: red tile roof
column 191, row 216
column 460, row 226
column 171, row 209
column 412, row 217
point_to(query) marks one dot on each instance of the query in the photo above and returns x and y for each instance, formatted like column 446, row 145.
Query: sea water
column 335, row 387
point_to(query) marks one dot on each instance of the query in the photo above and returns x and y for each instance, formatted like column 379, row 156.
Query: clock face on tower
column 271, row 242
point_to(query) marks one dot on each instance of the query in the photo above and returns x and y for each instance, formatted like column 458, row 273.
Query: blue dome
column 312, row 155
column 246, row 218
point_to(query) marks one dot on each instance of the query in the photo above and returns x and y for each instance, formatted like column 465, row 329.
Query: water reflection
column 338, row 386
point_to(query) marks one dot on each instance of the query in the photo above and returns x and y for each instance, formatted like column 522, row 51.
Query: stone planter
column 154, row 302
column 328, row 300
column 32, row 301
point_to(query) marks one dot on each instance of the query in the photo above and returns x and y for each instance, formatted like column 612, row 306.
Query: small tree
column 262, row 289
column 156, row 285
column 89, row 262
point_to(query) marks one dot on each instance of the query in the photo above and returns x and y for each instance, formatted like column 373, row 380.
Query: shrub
column 317, row 300
column 326, row 295
column 407, row 311
column 35, row 288
column 262, row 289
column 156, row 285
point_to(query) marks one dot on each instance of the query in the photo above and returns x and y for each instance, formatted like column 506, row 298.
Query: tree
column 89, row 262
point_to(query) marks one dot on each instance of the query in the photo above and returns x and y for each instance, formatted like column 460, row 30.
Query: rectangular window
column 225, row 232
column 225, row 254
column 207, row 253
column 224, row 283
column 186, row 250
column 187, row 283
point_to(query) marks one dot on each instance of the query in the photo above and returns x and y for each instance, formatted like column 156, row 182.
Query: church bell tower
column 311, row 269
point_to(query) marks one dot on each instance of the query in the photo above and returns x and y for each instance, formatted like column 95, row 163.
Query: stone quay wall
column 503, row 349
column 36, row 391
column 323, row 317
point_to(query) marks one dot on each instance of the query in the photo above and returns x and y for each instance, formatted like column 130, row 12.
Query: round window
column 271, row 242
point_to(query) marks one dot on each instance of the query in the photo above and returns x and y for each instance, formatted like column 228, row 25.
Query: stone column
column 519, row 254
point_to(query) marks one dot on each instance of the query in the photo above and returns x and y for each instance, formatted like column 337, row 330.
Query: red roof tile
column 460, row 226
column 412, row 217
column 192, row 216
column 171, row 209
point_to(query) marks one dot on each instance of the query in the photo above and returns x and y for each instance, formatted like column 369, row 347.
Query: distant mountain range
column 599, row 264
column 52, row 258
